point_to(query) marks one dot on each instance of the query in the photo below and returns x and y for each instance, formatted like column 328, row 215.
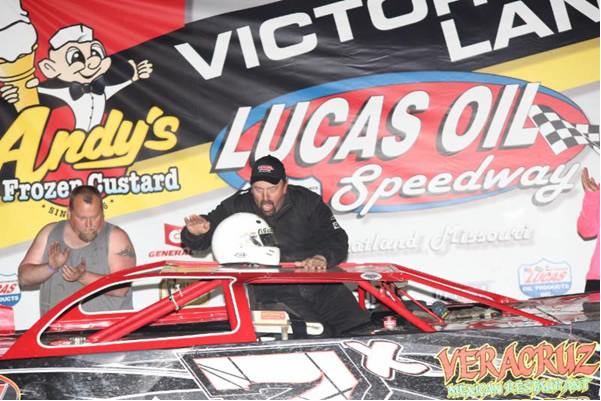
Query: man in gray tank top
column 67, row 255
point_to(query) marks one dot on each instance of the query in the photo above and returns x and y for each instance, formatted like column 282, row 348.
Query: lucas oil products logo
column 410, row 140
column 10, row 293
column 545, row 278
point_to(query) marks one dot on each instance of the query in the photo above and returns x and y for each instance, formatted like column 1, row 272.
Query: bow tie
column 76, row 89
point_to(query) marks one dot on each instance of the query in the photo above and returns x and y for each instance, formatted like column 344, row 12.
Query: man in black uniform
column 307, row 233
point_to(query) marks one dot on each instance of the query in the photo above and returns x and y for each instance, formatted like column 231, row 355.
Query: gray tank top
column 55, row 289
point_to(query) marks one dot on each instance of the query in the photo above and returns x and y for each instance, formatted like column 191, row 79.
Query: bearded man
column 69, row 254
column 307, row 233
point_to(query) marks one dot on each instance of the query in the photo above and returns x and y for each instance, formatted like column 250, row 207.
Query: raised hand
column 197, row 225
column 588, row 182
column 56, row 257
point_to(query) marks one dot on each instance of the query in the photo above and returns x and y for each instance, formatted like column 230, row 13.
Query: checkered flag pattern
column 591, row 132
column 560, row 134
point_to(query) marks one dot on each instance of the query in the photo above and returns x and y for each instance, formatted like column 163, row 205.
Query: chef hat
column 74, row 33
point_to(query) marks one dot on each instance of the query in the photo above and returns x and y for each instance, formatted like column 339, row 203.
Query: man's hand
column 197, row 225
column 74, row 273
column 142, row 70
column 56, row 257
column 588, row 183
column 317, row 262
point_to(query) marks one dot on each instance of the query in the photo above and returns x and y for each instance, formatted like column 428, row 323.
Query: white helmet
column 245, row 238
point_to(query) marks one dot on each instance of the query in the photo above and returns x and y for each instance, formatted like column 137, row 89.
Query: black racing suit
column 304, row 227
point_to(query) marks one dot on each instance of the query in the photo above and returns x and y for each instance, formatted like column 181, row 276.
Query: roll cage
column 67, row 329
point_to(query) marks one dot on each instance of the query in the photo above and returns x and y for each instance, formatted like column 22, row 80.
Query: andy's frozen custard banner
column 58, row 128
column 380, row 106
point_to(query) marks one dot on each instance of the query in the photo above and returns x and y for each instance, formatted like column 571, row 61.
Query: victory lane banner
column 208, row 72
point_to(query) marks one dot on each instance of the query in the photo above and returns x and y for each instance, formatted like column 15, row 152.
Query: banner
column 446, row 136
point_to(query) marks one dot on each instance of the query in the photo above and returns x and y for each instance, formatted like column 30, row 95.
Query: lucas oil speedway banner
column 447, row 135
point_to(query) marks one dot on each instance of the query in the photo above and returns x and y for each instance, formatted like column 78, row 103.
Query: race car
column 206, row 338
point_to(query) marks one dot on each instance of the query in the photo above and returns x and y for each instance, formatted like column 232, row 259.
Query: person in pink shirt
column 588, row 226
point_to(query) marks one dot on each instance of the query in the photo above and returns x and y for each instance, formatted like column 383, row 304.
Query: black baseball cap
column 268, row 168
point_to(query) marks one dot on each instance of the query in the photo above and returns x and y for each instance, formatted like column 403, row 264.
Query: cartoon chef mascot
column 79, row 62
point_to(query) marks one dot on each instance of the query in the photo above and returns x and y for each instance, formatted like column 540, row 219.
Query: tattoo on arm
column 127, row 251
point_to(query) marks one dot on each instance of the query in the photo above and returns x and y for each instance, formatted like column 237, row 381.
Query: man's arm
column 209, row 222
column 121, row 256
column 195, row 234
column 33, row 269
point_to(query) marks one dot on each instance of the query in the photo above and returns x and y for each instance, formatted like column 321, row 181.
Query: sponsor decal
column 545, row 278
column 371, row 276
column 161, row 253
column 265, row 231
column 407, row 141
column 173, row 238
column 173, row 235
column 10, row 292
column 265, row 169
column 533, row 371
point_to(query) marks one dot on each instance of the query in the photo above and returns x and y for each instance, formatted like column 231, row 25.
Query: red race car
column 207, row 337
